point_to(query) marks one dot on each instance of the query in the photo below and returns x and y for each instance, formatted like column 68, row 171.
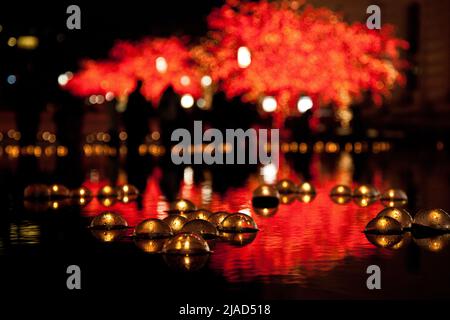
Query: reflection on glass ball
column 265, row 196
column 108, row 201
column 286, row 186
column 108, row 235
column 366, row 191
column 399, row 214
column 435, row 219
column 175, row 222
column 341, row 191
column 434, row 244
column 109, row 220
column 200, row 214
column 202, row 227
column 238, row 239
column 152, row 229
column 287, row 198
column 306, row 188
column 385, row 241
column 341, row 199
column 394, row 198
column 59, row 204
column 181, row 206
column 186, row 244
column 107, row 192
column 306, row 197
column 186, row 263
column 58, row 191
column 150, row 245
column 383, row 225
column 238, row 222
column 265, row 212
column 37, row 192
column 218, row 217
column 364, row 201
column 81, row 192
column 127, row 193
column 36, row 206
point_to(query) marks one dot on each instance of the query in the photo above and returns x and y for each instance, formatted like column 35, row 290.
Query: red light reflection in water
column 300, row 241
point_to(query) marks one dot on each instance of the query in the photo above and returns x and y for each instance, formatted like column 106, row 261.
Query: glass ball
column 152, row 229
column 341, row 191
column 36, row 206
column 200, row 214
column 265, row 212
column 175, row 222
column 286, row 186
column 108, row 235
column 364, row 201
column 81, row 201
column 394, row 198
column 218, row 217
column 37, row 192
column 202, row 227
column 383, row 225
column 434, row 244
column 150, row 245
column 366, row 191
column 59, row 204
column 306, row 188
column 238, row 222
column 399, row 214
column 81, row 192
column 341, row 199
column 265, row 196
column 385, row 241
column 109, row 220
column 238, row 239
column 127, row 193
column 287, row 198
column 181, row 206
column 186, row 263
column 108, row 201
column 186, row 244
column 58, row 191
column 435, row 219
column 306, row 197
column 107, row 192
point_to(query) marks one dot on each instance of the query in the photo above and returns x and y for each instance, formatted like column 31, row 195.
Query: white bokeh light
column 161, row 64
column 304, row 104
column 244, row 57
column 269, row 104
column 187, row 101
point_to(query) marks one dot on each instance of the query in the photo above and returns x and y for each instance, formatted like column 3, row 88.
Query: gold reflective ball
column 152, row 229
column 58, row 191
column 127, row 193
column 175, row 222
column 286, row 186
column 341, row 191
column 384, row 225
column 202, row 227
column 108, row 220
column 399, row 214
column 186, row 244
column 433, row 219
column 394, row 198
column 238, row 222
column 265, row 196
column 181, row 206
column 218, row 217
column 366, row 191
column 107, row 192
column 37, row 192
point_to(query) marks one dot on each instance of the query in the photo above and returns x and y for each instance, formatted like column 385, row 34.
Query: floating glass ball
column 265, row 196
column 399, row 214
column 286, row 186
column 383, row 225
column 202, row 227
column 186, row 244
column 341, row 199
column 287, row 198
column 434, row 244
column 81, row 192
column 238, row 239
column 150, row 245
column 127, row 193
column 341, row 191
column 109, row 220
column 306, row 197
column 58, row 191
column 238, row 222
column 108, row 235
column 265, row 212
column 37, row 192
column 394, row 198
column 175, row 222
column 366, row 191
column 186, row 263
column 385, row 241
column 200, row 214
column 181, row 206
column 364, row 201
column 435, row 219
column 107, row 192
column 218, row 217
column 306, row 188
column 152, row 229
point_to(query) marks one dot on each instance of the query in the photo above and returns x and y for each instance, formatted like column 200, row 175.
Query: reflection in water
column 189, row 263
column 24, row 232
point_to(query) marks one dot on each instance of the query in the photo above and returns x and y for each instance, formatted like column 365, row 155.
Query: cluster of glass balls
column 393, row 228
column 41, row 197
column 184, row 238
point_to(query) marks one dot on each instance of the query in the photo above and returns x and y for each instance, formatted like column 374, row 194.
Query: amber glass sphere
column 109, row 220
column 186, row 244
column 383, row 225
column 341, row 199
column 385, row 241
column 150, row 245
column 81, row 192
column 399, row 214
column 288, row 198
column 435, row 243
column 181, row 206
column 306, row 188
column 394, row 198
column 108, row 201
column 364, row 201
column 435, row 219
column 217, row 217
column 265, row 212
column 306, row 197
column 266, row 196
column 202, row 227
column 37, row 192
column 127, row 193
column 107, row 192
column 200, row 214
column 175, row 222
column 152, row 229
column 341, row 191
column 286, row 186
column 238, row 222
column 186, row 263
column 58, row 191
column 238, row 239
column 108, row 235
column 366, row 191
